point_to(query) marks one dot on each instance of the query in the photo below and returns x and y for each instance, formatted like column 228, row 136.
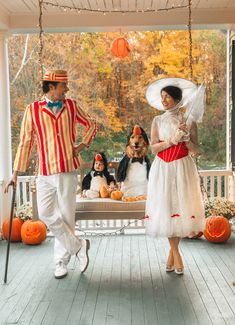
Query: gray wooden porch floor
column 125, row 284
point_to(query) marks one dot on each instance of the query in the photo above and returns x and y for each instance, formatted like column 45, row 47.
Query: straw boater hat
column 56, row 76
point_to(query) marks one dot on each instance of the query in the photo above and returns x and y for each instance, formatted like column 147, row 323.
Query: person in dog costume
column 52, row 121
column 98, row 177
column 133, row 169
column 174, row 206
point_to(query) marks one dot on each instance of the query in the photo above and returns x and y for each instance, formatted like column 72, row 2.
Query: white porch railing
column 218, row 183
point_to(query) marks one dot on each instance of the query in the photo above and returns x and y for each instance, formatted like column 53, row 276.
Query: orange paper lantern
column 218, row 229
column 120, row 47
column 16, row 229
column 33, row 232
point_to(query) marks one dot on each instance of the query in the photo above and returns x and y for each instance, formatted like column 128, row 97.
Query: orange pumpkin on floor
column 16, row 229
column 218, row 229
column 33, row 232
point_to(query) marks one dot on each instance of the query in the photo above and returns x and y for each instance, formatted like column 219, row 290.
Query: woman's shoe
column 169, row 268
column 179, row 271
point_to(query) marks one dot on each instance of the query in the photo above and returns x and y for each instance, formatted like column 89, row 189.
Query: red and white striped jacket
column 55, row 135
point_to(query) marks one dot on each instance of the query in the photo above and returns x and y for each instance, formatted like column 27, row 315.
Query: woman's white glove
column 186, row 137
column 177, row 137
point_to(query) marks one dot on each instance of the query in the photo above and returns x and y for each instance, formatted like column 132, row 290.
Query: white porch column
column 5, row 127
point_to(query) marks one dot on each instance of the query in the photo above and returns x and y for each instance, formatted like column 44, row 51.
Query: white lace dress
column 174, row 206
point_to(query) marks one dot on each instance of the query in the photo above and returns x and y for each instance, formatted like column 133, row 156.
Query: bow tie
column 55, row 104
column 96, row 173
column 136, row 159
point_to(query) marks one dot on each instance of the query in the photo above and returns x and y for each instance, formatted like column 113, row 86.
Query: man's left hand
column 78, row 149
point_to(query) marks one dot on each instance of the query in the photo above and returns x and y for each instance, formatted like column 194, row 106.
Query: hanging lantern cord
column 40, row 2
column 190, row 38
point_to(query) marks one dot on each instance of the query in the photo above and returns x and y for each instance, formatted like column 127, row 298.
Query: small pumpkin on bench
column 116, row 195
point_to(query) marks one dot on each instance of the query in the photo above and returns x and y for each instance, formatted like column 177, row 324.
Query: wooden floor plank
column 213, row 286
column 113, row 308
column 105, row 289
column 162, row 307
column 137, row 309
column 170, row 283
column 148, row 292
column 181, row 292
column 125, row 288
column 193, row 293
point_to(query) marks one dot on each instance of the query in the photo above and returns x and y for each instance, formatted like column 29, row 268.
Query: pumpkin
column 104, row 193
column 33, row 232
column 120, row 47
column 218, row 229
column 16, row 229
column 116, row 195
column 134, row 198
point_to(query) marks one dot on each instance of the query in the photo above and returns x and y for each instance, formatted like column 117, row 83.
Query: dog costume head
column 137, row 143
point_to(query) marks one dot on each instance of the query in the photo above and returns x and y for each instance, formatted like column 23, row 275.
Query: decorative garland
column 105, row 11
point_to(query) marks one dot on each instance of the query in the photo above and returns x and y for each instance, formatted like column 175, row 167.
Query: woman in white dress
column 174, row 206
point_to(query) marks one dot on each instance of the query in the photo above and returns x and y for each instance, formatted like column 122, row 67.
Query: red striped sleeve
column 26, row 141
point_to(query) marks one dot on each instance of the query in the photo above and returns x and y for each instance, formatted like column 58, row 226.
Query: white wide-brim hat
column 153, row 92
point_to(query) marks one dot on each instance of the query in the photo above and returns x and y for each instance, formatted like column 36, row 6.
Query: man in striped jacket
column 52, row 122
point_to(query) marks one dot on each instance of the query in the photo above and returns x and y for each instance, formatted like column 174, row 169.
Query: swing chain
column 190, row 39
column 40, row 52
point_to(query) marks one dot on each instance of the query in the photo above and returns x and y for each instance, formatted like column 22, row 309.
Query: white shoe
column 60, row 270
column 179, row 271
column 82, row 255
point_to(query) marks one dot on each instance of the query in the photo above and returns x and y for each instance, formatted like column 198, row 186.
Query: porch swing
column 106, row 209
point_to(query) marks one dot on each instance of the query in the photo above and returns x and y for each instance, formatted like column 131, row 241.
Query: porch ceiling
column 22, row 15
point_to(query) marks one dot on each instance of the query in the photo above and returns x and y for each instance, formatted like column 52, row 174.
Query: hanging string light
column 117, row 11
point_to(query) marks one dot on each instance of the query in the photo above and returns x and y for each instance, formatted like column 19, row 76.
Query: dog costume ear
column 148, row 165
column 122, row 168
column 144, row 134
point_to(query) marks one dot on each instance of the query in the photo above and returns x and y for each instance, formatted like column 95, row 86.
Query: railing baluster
column 226, row 187
column 219, row 188
column 212, row 186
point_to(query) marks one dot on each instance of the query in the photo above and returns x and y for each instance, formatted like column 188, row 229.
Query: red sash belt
column 174, row 152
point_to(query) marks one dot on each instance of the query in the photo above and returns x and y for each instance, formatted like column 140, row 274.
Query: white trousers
column 56, row 197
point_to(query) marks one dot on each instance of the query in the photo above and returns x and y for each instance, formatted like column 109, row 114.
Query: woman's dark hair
column 45, row 85
column 174, row 92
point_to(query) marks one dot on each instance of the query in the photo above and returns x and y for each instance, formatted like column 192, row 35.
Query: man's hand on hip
column 78, row 149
